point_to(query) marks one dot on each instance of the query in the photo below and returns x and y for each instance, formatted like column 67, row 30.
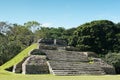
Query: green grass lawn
column 5, row 75
column 52, row 77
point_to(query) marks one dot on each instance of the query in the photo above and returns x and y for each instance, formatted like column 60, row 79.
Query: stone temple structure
column 54, row 57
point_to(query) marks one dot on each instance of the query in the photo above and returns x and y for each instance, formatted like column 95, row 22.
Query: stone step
column 66, row 55
column 69, row 68
column 77, row 70
column 74, row 68
column 72, row 64
column 78, row 73
column 67, row 62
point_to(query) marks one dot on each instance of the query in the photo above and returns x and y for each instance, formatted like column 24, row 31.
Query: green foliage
column 8, row 51
column 117, row 43
column 30, row 24
column 37, row 52
column 46, row 32
column 114, row 59
column 98, row 36
column 4, row 26
column 15, row 39
column 19, row 57
column 22, row 35
column 67, row 34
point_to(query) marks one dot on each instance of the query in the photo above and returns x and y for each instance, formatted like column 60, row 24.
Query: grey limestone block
column 35, row 64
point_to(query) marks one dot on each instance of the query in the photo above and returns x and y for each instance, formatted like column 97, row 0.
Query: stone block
column 35, row 65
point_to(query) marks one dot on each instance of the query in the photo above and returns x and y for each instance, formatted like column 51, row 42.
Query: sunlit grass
column 19, row 57
column 4, row 72
column 52, row 77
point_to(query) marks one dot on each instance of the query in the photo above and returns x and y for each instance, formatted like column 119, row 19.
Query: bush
column 114, row 59
column 37, row 52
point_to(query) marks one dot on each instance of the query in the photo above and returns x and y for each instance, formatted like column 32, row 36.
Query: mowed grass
column 19, row 57
column 52, row 77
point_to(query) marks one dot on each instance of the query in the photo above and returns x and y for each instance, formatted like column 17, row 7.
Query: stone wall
column 18, row 67
column 109, row 69
column 56, row 42
column 35, row 64
column 47, row 47
column 71, row 48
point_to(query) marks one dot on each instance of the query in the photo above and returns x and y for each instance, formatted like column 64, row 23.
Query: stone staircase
column 74, row 68
column 66, row 55
column 71, row 63
column 55, row 57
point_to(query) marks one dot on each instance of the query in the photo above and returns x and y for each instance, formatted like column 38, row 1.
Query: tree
column 98, row 36
column 16, row 38
column 46, row 32
column 22, row 35
column 116, row 46
column 67, row 34
column 4, row 26
column 8, row 49
column 32, row 25
column 114, row 59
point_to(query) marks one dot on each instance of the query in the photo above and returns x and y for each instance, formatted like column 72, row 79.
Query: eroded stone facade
column 53, row 56
column 35, row 64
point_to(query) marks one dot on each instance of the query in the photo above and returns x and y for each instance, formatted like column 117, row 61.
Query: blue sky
column 59, row 13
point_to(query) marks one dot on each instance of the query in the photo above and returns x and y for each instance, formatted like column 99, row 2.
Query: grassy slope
column 19, row 57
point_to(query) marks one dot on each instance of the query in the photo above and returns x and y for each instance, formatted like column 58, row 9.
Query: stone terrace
column 71, row 63
column 52, row 56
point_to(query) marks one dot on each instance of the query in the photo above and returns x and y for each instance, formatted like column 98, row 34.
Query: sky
column 59, row 13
